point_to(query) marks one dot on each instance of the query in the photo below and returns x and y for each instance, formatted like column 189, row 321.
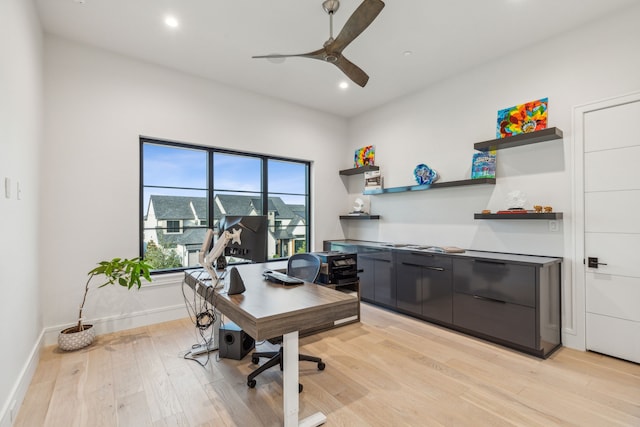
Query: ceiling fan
column 332, row 49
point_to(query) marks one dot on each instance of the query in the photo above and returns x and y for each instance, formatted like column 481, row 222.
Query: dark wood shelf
column 360, row 217
column 433, row 186
column 528, row 215
column 520, row 139
column 363, row 169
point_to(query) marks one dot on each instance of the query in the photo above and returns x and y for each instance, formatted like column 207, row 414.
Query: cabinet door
column 437, row 292
column 384, row 283
column 409, row 287
column 367, row 278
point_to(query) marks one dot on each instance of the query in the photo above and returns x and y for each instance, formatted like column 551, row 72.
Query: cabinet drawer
column 374, row 253
column 509, row 322
column 513, row 283
column 424, row 260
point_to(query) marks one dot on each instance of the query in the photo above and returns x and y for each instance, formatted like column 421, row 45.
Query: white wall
column 20, row 142
column 96, row 106
column 439, row 125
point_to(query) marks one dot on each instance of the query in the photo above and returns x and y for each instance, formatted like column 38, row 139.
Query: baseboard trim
column 12, row 405
column 107, row 325
column 49, row 336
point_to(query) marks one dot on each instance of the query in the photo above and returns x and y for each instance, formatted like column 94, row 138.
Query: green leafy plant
column 120, row 271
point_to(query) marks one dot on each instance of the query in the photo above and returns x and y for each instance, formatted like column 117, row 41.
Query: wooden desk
column 266, row 310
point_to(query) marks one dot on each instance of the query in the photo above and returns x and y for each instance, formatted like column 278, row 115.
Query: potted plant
column 121, row 271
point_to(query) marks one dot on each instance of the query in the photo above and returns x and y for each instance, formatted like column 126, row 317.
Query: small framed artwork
column 522, row 118
column 484, row 165
column 364, row 156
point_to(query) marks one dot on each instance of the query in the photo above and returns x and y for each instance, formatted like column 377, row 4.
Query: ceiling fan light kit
column 331, row 51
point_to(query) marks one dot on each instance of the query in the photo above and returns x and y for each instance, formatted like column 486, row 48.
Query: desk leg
column 290, row 385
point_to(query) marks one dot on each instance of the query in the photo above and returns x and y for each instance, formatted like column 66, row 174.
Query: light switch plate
column 7, row 187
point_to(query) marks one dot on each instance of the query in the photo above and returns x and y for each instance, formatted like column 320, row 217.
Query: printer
column 338, row 268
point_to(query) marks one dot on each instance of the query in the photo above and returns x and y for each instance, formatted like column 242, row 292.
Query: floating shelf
column 363, row 169
column 529, row 215
column 464, row 182
column 520, row 139
column 360, row 217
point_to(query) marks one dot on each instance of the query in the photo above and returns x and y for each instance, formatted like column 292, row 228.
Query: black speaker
column 233, row 342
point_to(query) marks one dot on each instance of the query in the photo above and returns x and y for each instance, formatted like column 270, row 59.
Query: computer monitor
column 253, row 243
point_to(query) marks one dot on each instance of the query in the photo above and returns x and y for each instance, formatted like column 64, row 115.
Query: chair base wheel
column 251, row 383
column 321, row 366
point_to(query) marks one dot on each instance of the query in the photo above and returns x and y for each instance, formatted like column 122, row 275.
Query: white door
column 612, row 229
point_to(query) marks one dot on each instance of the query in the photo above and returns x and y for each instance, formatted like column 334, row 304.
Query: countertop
column 469, row 253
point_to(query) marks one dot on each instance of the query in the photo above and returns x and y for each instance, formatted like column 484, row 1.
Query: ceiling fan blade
column 352, row 71
column 316, row 54
column 356, row 24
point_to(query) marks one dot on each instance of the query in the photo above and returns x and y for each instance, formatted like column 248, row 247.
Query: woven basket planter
column 70, row 339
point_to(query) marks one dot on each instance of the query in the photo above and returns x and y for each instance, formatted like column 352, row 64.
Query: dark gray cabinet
column 510, row 303
column 377, row 279
column 510, row 299
column 424, row 285
column 376, row 271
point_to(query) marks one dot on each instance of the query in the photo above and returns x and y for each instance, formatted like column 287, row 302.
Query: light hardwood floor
column 388, row 370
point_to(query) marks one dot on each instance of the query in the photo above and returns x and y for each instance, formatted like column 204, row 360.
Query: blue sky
column 187, row 168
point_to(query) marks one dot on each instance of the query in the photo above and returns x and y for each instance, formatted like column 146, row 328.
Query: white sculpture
column 359, row 206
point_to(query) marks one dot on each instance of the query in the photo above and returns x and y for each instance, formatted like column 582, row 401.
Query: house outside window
column 186, row 189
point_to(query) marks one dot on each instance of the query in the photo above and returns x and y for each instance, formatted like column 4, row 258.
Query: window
column 173, row 226
column 186, row 189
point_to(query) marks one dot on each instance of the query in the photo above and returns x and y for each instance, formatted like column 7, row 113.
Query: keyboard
column 277, row 277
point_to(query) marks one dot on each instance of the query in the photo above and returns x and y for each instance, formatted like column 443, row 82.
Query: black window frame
column 211, row 189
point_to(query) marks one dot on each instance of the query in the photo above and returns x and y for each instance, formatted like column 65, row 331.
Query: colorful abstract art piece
column 523, row 118
column 364, row 156
column 484, row 165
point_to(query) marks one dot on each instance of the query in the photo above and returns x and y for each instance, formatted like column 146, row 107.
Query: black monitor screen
column 253, row 245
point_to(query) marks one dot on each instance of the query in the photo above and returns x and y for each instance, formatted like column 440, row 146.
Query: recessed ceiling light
column 407, row 53
column 171, row 21
column 343, row 85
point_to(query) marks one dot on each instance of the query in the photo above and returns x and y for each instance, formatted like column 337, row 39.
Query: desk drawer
column 509, row 322
column 513, row 283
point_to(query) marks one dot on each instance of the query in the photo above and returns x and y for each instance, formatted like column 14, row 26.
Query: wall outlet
column 553, row 226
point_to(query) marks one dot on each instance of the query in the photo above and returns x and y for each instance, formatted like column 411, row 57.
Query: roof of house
column 192, row 238
column 234, row 204
column 178, row 207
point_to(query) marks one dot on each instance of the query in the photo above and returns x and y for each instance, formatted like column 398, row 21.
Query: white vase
column 70, row 341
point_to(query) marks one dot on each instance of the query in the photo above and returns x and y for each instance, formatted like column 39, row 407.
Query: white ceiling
column 216, row 39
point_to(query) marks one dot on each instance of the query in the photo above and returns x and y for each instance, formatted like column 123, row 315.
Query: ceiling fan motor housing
column 331, row 6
